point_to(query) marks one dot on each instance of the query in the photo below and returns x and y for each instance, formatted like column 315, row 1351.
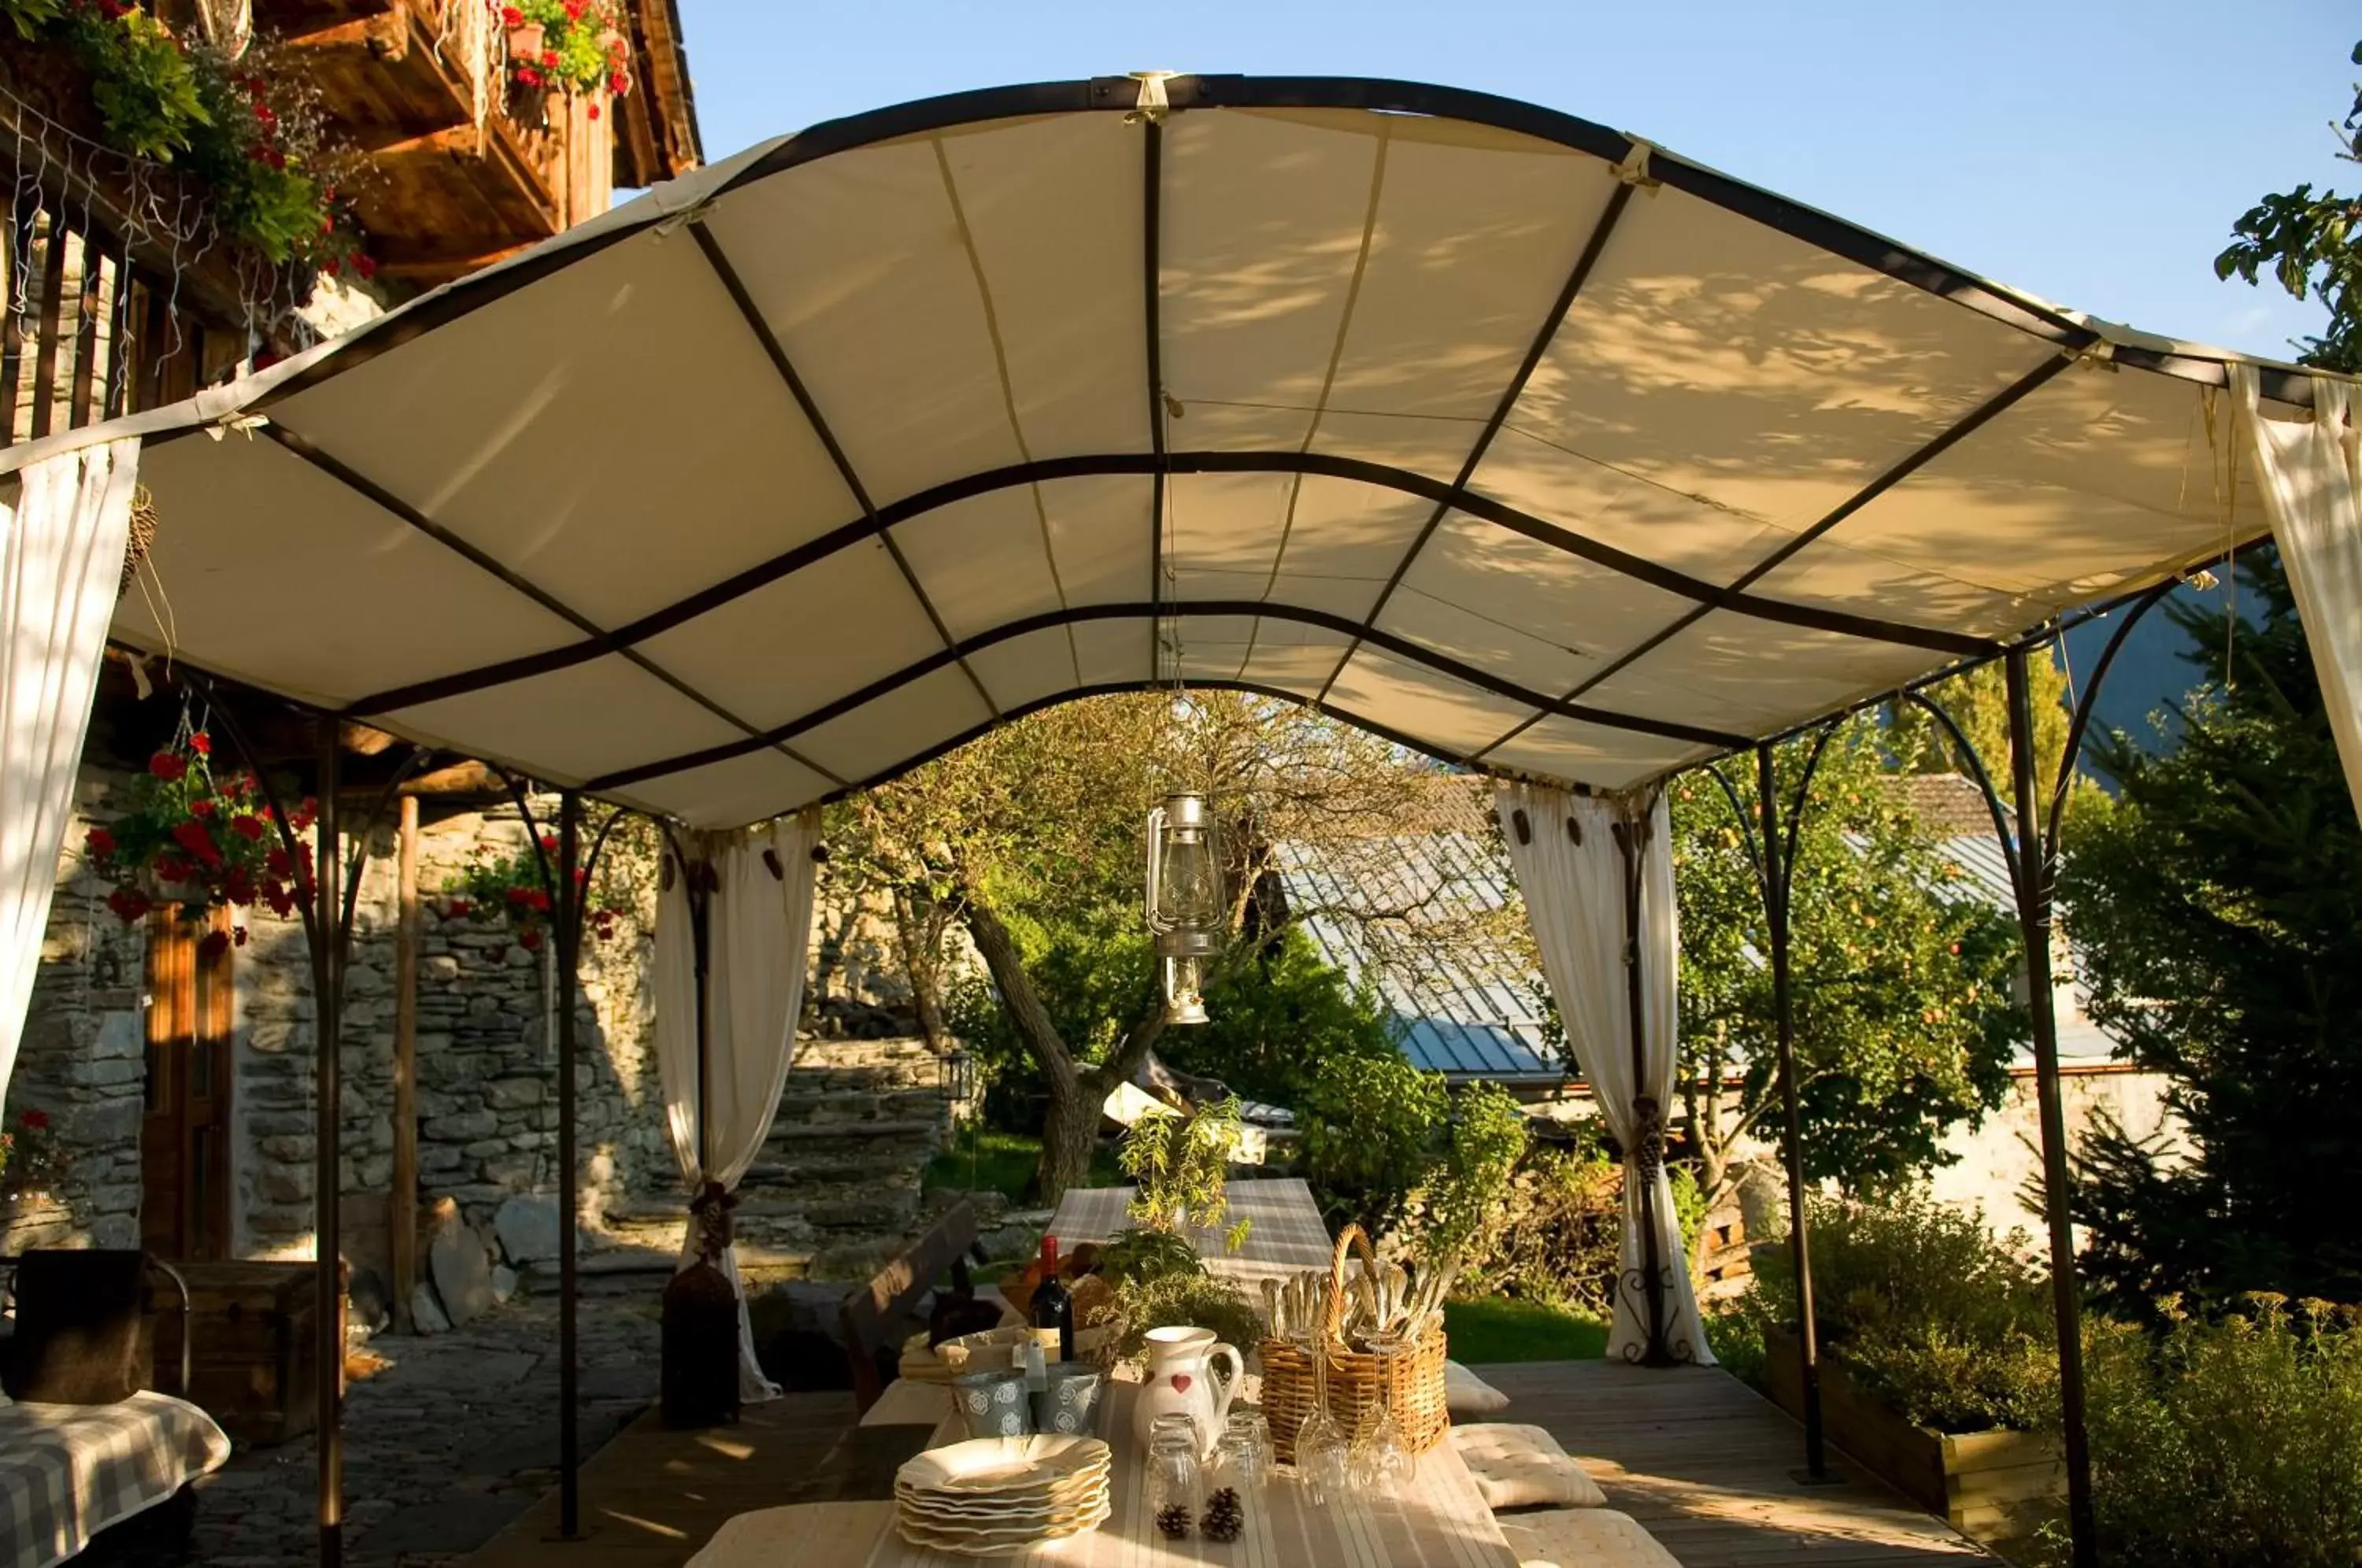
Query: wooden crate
column 255, row 1362
column 1991, row 1487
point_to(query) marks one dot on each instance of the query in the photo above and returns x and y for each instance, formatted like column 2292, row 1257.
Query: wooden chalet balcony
column 462, row 180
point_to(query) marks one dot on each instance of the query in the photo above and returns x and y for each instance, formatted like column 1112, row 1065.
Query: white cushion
column 1523, row 1467
column 1465, row 1394
column 909, row 1402
column 1583, row 1538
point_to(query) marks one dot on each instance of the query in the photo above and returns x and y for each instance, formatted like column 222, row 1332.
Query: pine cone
column 1174, row 1520
column 1224, row 1517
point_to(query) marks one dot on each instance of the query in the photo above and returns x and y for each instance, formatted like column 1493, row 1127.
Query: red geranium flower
column 518, row 897
column 549, row 844
column 200, row 808
column 530, row 939
column 238, row 886
column 202, row 744
column 192, row 836
column 101, row 842
column 35, row 1120
column 239, row 934
column 549, row 58
column 528, row 76
column 248, row 826
column 128, row 904
column 592, row 111
column 538, row 900
column 459, row 909
column 173, row 869
column 619, row 85
column 171, row 767
column 278, row 863
column 213, row 944
column 574, row 10
column 512, row 17
column 365, row 265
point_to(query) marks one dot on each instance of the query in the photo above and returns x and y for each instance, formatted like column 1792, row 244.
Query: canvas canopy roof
column 1505, row 434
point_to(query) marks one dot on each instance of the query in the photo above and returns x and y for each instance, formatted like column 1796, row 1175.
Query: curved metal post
column 1648, row 1152
column 2037, row 865
column 328, row 946
column 1778, row 872
column 569, row 901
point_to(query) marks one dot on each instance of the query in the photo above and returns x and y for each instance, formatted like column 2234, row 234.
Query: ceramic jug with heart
column 1181, row 1378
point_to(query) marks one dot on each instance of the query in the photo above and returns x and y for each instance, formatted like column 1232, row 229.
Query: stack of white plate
column 999, row 1497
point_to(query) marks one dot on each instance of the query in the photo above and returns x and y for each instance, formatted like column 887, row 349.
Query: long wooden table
column 1441, row 1522
column 1287, row 1235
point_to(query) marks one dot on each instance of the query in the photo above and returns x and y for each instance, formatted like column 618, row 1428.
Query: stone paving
column 453, row 1439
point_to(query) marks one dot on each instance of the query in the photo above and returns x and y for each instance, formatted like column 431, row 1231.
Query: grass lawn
column 983, row 1159
column 1496, row 1330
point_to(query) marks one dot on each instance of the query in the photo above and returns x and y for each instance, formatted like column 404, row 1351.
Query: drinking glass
column 1380, row 1462
column 1245, row 1456
column 1322, row 1453
column 1175, row 1482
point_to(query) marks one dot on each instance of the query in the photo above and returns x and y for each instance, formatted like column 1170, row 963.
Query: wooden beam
column 439, row 262
column 401, row 1212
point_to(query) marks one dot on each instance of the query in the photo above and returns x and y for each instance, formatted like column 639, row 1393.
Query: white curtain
column 760, row 925
column 2310, row 474
column 1571, row 874
column 67, row 519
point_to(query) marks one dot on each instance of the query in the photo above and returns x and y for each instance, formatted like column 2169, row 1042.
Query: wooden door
column 184, row 1138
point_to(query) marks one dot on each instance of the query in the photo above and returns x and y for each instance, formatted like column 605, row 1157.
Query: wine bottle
column 1052, row 1308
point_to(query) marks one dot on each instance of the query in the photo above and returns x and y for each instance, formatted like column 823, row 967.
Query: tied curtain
column 2311, row 473
column 759, row 933
column 67, row 519
column 1563, row 847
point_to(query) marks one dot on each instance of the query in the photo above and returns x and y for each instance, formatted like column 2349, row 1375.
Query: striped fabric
column 1287, row 1235
column 1440, row 1523
column 69, row 1471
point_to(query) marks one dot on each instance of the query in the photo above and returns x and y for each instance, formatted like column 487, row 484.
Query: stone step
column 927, row 1131
column 837, row 1106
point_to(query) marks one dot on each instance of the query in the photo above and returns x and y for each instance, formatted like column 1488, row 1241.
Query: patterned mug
column 993, row 1404
column 1068, row 1404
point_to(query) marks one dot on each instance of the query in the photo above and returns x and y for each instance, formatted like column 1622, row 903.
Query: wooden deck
column 1697, row 1456
column 1707, row 1464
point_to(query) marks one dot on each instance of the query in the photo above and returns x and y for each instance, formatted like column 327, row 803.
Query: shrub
column 1555, row 1243
column 1460, row 1211
column 1370, row 1128
column 2231, row 1445
column 1951, row 1330
column 1156, row 1278
column 1179, row 1164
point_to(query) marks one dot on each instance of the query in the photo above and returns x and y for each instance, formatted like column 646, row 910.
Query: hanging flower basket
column 507, row 890
column 573, row 47
column 30, row 1160
column 195, row 840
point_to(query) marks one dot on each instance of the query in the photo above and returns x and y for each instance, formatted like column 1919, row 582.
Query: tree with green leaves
column 1031, row 838
column 1978, row 701
column 2218, row 903
column 1906, row 1020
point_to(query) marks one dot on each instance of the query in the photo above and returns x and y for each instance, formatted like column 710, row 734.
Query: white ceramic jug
column 1180, row 1378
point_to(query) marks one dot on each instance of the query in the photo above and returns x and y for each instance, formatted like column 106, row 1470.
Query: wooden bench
column 872, row 1316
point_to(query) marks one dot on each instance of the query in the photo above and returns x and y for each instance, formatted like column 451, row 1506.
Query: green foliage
column 1555, row 1243
column 1905, row 1023
column 142, row 83
column 2220, row 907
column 988, row 1159
column 1275, row 1021
column 1460, row 1208
column 1179, row 1164
column 2311, row 244
column 1924, row 1309
column 1370, row 1126
column 29, row 16
column 2235, row 1444
column 1157, row 1280
column 1978, row 701
column 1490, row 1332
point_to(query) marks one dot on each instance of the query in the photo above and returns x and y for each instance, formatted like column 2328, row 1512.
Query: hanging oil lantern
column 1185, row 901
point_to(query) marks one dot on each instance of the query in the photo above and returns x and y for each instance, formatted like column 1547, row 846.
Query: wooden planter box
column 1989, row 1486
column 254, row 1359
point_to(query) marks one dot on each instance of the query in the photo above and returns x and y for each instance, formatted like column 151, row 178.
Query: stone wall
column 83, row 1060
column 486, row 1049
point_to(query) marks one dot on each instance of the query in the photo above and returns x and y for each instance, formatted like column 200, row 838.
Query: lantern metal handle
column 1156, row 868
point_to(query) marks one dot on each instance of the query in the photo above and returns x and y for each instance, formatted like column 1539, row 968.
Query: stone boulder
column 528, row 1231
column 462, row 1267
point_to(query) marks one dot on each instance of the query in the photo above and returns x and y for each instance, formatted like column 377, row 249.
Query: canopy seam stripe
column 1152, row 466
column 297, row 445
column 1919, row 457
column 760, row 325
column 1320, row 409
column 1443, row 664
column 999, row 362
column 1152, row 257
column 1617, row 200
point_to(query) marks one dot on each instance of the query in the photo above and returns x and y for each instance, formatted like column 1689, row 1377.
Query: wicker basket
column 1414, row 1375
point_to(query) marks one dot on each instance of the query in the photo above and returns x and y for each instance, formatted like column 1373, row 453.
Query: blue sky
column 2092, row 153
